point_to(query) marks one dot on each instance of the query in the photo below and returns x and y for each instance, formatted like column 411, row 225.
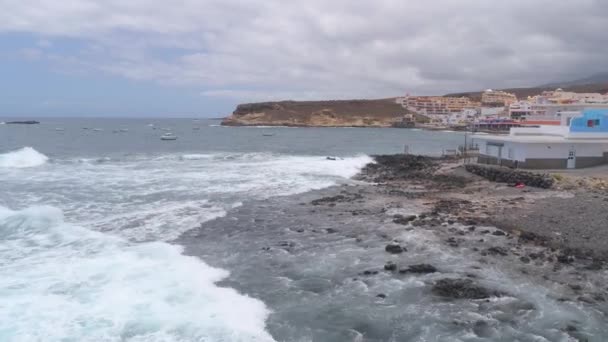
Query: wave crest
column 22, row 158
column 79, row 284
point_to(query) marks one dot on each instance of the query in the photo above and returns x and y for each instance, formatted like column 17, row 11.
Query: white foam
column 143, row 197
column 24, row 157
column 64, row 282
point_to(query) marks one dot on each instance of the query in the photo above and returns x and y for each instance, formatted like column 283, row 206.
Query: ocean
column 90, row 209
column 108, row 233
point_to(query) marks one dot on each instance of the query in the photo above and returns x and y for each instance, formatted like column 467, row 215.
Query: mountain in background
column 599, row 78
column 597, row 83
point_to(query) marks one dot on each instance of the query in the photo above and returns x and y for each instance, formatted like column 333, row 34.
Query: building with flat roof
column 438, row 105
column 581, row 140
column 497, row 98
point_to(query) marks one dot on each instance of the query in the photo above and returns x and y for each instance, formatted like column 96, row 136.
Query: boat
column 168, row 136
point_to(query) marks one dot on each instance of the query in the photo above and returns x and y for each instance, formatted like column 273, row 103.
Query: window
column 593, row 123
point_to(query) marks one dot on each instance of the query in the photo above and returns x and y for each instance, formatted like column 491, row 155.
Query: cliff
column 346, row 113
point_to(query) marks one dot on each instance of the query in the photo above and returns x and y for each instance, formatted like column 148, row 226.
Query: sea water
column 88, row 208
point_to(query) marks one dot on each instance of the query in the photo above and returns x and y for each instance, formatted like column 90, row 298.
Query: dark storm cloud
column 320, row 49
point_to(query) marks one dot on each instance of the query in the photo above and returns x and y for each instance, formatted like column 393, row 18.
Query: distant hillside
column 522, row 93
column 340, row 113
column 599, row 78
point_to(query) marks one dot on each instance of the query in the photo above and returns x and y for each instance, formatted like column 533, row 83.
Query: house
column 581, row 140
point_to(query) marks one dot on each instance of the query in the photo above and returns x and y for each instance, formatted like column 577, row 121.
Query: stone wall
column 506, row 175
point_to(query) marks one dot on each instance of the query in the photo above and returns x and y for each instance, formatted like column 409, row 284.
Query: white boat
column 168, row 136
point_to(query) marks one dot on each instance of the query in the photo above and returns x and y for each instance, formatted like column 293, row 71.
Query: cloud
column 316, row 48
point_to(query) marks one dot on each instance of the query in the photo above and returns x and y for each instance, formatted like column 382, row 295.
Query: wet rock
column 511, row 176
column 596, row 265
column 565, row 258
column 420, row 268
column 288, row 244
column 381, row 295
column 462, row 289
column 327, row 200
column 452, row 242
column 404, row 220
column 370, row 272
column 394, row 248
column 539, row 255
column 575, row 287
column 331, row 230
column 497, row 251
column 525, row 260
column 499, row 233
column 390, row 266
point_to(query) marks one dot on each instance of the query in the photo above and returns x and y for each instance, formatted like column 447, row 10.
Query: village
column 554, row 130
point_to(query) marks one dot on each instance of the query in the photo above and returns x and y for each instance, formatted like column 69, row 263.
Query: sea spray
column 59, row 281
column 22, row 158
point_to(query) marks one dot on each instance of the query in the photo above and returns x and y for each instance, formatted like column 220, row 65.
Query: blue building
column 581, row 141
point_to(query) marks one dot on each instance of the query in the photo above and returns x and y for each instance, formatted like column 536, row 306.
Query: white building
column 580, row 141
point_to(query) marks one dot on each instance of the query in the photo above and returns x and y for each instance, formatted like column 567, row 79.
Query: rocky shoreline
column 415, row 231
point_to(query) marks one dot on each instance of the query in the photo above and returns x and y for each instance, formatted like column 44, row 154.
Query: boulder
column 511, row 176
column 390, row 266
column 394, row 248
column 420, row 268
column 462, row 289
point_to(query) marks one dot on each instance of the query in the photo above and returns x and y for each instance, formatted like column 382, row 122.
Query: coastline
column 452, row 229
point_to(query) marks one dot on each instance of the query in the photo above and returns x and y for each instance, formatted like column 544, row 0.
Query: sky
column 199, row 58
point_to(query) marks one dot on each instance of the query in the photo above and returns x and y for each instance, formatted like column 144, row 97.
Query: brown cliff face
column 346, row 113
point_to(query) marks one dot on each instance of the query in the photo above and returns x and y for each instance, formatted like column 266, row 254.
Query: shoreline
column 418, row 219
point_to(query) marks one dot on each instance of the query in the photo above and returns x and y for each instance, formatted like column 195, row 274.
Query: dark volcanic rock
column 511, row 176
column 394, row 248
column 390, row 266
column 324, row 200
column 497, row 251
column 565, row 258
column 404, row 220
column 420, row 268
column 462, row 289
column 399, row 167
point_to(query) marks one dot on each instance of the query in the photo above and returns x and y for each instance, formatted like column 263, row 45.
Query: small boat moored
column 168, row 136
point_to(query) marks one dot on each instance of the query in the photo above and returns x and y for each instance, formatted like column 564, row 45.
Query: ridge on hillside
column 532, row 91
column 598, row 78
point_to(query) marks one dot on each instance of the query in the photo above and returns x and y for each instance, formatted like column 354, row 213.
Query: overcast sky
column 201, row 57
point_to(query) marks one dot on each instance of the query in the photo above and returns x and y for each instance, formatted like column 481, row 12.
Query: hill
column 338, row 113
column 599, row 78
column 525, row 92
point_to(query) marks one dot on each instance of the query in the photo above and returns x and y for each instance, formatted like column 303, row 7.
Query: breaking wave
column 64, row 282
column 21, row 158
